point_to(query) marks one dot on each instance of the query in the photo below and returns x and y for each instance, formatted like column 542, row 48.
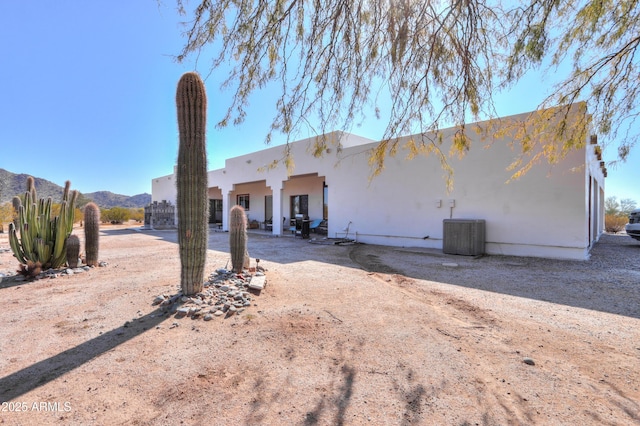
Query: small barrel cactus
column 73, row 250
column 191, row 181
column 238, row 239
column 91, row 233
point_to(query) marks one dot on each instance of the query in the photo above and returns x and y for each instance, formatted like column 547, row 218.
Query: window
column 243, row 200
column 299, row 205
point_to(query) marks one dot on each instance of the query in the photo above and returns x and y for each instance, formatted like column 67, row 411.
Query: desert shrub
column 115, row 215
column 137, row 214
column 614, row 223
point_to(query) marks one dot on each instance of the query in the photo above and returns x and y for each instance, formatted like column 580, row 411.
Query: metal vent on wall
column 464, row 236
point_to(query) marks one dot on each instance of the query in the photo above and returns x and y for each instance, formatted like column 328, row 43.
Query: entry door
column 215, row 211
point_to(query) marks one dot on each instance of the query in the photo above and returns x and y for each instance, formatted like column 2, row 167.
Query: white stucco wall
column 544, row 213
column 164, row 188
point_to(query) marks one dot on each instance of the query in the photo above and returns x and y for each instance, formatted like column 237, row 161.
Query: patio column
column 226, row 206
column 276, row 191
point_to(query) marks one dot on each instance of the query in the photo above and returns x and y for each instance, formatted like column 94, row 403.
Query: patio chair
column 313, row 226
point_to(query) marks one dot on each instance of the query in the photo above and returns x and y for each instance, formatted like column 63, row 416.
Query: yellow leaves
column 289, row 163
column 377, row 157
column 460, row 143
column 545, row 135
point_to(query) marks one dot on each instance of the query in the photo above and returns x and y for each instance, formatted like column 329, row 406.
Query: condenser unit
column 464, row 236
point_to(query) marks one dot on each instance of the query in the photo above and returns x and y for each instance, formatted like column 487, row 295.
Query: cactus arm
column 16, row 248
column 59, row 250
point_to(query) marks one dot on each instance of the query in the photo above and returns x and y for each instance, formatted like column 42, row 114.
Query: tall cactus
column 238, row 238
column 42, row 236
column 73, row 250
column 91, row 233
column 192, row 185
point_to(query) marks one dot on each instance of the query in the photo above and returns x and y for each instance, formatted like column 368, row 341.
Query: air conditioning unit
column 463, row 236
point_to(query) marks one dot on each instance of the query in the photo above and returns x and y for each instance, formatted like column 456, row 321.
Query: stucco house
column 554, row 211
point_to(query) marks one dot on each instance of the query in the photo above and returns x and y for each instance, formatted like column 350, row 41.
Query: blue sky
column 88, row 95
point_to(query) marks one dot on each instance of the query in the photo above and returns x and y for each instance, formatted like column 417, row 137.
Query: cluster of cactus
column 238, row 239
column 191, row 181
column 43, row 237
column 91, row 233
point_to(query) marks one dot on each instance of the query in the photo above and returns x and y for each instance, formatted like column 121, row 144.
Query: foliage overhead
column 439, row 63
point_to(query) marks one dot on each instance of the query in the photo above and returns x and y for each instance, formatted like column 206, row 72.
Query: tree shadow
column 339, row 402
column 29, row 378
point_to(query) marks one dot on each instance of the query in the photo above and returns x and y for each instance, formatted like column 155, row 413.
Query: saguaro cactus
column 191, row 180
column 91, row 233
column 238, row 239
column 73, row 250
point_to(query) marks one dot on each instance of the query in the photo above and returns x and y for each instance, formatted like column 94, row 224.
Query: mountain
column 109, row 199
column 12, row 184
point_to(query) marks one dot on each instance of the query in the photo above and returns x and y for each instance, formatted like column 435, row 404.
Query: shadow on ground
column 29, row 378
column 609, row 281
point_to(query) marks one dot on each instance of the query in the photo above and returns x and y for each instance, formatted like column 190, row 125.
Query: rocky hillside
column 109, row 199
column 12, row 184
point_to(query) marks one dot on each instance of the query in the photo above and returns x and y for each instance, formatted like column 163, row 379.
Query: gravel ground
column 609, row 281
column 347, row 335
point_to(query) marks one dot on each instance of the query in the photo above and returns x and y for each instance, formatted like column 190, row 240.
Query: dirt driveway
column 342, row 335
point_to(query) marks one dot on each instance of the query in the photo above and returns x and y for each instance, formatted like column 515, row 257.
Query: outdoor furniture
column 323, row 228
column 298, row 228
column 313, row 226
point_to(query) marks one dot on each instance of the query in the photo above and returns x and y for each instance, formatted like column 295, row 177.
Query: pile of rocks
column 225, row 293
column 55, row 273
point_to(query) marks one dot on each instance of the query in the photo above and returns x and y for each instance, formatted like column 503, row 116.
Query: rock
column 258, row 282
column 450, row 264
column 529, row 361
column 102, row 264
column 224, row 293
column 68, row 271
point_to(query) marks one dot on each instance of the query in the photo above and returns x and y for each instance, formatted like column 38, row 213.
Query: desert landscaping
column 341, row 335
